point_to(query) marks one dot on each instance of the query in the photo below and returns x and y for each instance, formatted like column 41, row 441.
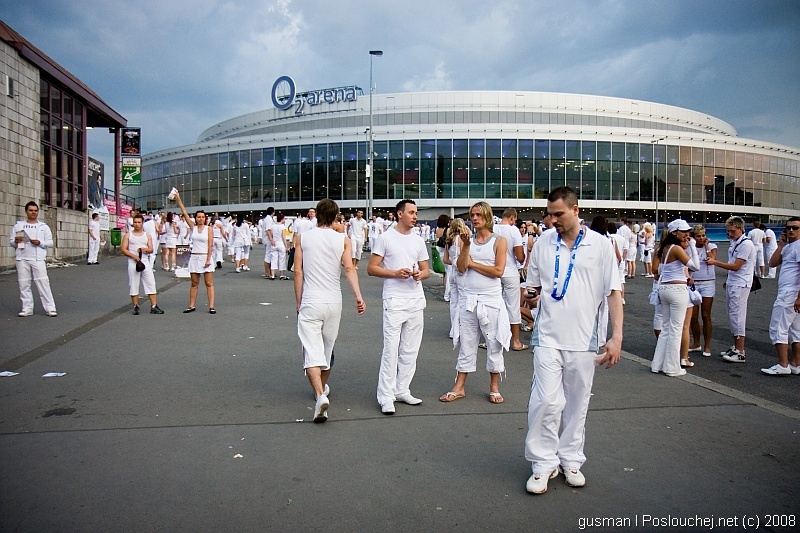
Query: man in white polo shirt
column 319, row 255
column 573, row 270
column 400, row 257
column 740, row 266
column 784, row 327
column 510, row 281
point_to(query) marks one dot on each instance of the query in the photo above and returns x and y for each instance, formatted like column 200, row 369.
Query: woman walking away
column 200, row 261
column 278, row 252
column 673, row 259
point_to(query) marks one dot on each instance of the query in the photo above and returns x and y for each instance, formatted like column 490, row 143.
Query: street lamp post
column 370, row 173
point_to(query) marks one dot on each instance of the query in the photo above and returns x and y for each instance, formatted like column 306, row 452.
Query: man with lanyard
column 401, row 259
column 31, row 239
column 784, row 326
column 573, row 270
column 358, row 232
column 740, row 266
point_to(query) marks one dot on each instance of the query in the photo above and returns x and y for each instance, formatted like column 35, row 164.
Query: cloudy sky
column 176, row 67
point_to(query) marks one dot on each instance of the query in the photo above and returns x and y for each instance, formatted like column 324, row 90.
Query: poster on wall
column 131, row 141
column 95, row 176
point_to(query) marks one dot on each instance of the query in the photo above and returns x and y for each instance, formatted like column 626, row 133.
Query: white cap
column 678, row 225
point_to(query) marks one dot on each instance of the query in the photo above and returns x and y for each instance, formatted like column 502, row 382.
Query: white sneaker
column 326, row 391
column 537, row 483
column 777, row 370
column 25, row 313
column 387, row 408
column 573, row 476
column 238, row 270
column 678, row 373
column 321, row 409
column 728, row 351
column 735, row 357
column 51, row 313
column 408, row 398
column 795, row 369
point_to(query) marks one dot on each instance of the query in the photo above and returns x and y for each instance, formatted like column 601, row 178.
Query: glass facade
column 62, row 130
column 465, row 168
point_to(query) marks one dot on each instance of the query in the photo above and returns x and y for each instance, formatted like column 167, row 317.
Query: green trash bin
column 436, row 261
column 116, row 236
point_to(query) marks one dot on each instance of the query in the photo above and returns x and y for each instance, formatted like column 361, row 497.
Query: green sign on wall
column 131, row 170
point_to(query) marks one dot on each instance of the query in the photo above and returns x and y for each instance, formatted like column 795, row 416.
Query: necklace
column 555, row 294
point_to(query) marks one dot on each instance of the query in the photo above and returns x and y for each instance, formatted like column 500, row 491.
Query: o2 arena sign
column 285, row 95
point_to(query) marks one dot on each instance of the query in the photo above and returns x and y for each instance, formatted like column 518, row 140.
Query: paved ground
column 202, row 423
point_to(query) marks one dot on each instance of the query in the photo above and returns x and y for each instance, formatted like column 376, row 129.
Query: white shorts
column 784, row 326
column 737, row 309
column 706, row 288
column 197, row 264
column 318, row 328
column 648, row 256
column 631, row 254
column 511, row 298
column 759, row 256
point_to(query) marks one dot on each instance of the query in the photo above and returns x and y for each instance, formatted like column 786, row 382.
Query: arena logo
column 285, row 95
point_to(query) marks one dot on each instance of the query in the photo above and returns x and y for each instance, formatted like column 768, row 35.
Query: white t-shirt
column 743, row 248
column 789, row 278
column 573, row 322
column 94, row 226
column 322, row 265
column 513, row 238
column 357, row 227
column 772, row 244
column 757, row 236
column 625, row 232
column 401, row 251
column 705, row 272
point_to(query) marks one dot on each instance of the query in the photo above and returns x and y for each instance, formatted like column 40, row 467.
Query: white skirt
column 197, row 264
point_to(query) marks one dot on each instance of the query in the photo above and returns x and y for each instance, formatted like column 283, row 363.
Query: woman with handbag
column 673, row 295
column 134, row 244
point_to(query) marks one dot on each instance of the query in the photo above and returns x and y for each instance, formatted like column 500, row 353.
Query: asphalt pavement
column 199, row 422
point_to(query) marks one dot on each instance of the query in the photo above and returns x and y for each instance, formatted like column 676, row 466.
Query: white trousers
column 94, row 249
column 455, row 301
column 402, row 336
column 737, row 308
column 674, row 301
column 511, row 292
column 768, row 251
column 318, row 328
column 470, row 329
column 357, row 247
column 36, row 271
column 242, row 252
column 216, row 250
column 277, row 259
column 146, row 277
column 784, row 325
column 562, row 386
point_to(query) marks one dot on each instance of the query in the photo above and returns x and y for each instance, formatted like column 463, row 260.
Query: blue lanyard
column 554, row 294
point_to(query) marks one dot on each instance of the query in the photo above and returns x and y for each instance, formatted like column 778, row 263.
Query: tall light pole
column 370, row 190
column 655, row 186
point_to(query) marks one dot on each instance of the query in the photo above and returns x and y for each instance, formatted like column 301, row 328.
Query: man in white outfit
column 31, row 239
column 577, row 269
column 94, row 239
column 510, row 281
column 740, row 266
column 770, row 245
column 401, row 258
column 265, row 226
column 784, row 326
column 374, row 229
column 319, row 255
column 358, row 233
column 758, row 237
column 149, row 227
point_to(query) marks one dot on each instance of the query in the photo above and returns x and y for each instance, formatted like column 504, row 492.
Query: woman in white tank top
column 673, row 258
column 482, row 260
column 200, row 261
column 451, row 250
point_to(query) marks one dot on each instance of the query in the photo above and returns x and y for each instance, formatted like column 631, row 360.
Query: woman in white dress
column 705, row 283
column 201, row 261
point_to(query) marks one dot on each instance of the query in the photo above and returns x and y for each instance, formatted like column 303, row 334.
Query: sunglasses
column 793, row 228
